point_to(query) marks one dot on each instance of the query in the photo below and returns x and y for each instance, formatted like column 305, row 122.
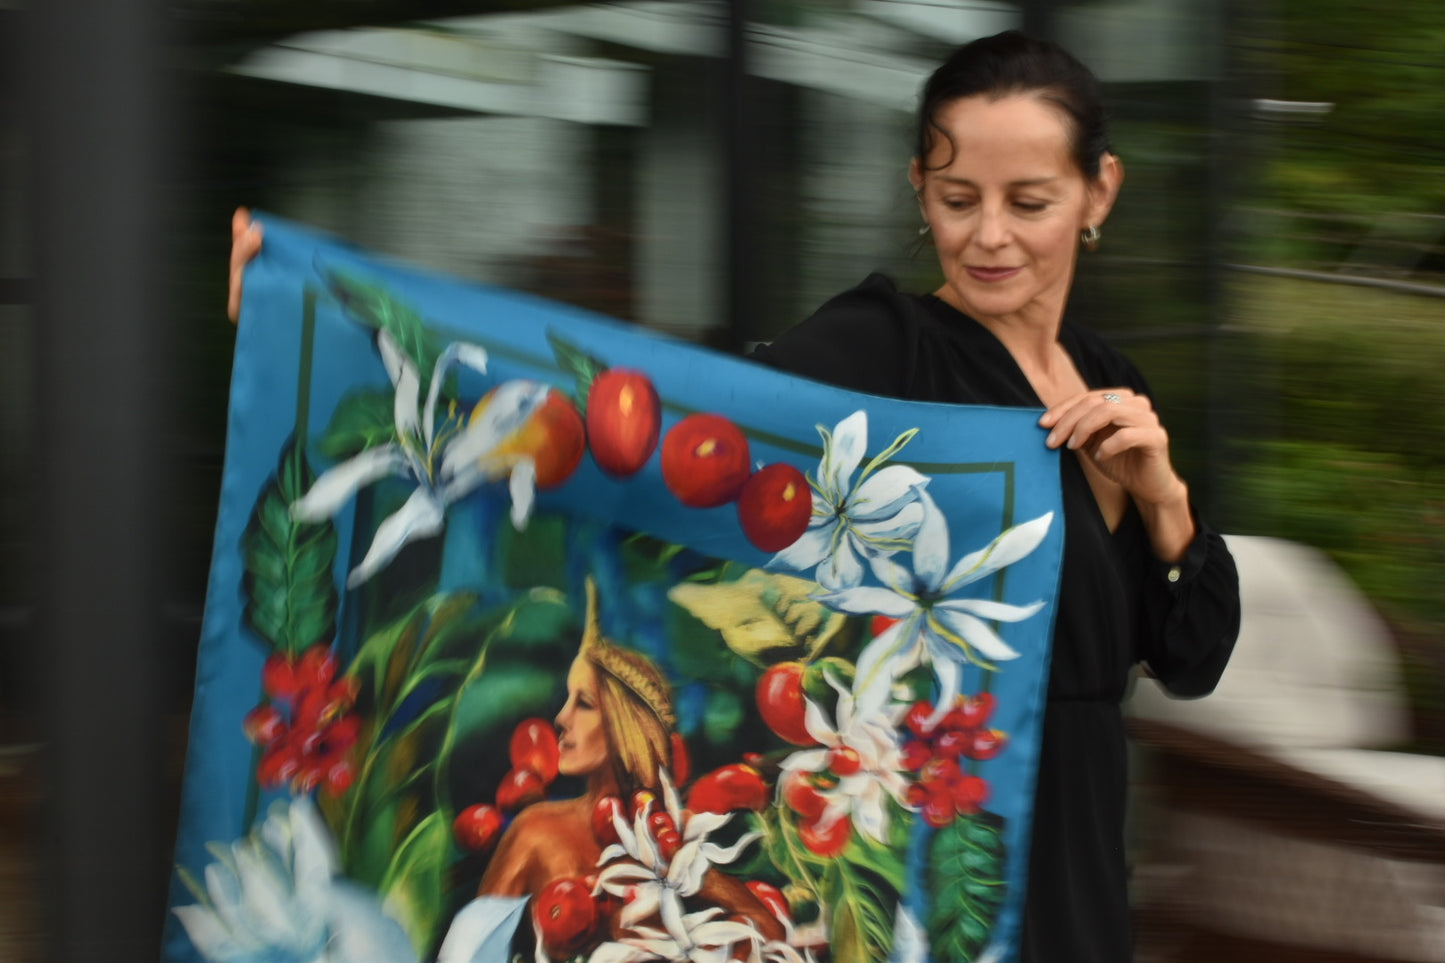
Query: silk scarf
column 530, row 633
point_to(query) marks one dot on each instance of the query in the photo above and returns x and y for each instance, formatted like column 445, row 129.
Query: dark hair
column 1013, row 63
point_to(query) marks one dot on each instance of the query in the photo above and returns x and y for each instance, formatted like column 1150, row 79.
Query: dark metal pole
column 740, row 225
column 93, row 123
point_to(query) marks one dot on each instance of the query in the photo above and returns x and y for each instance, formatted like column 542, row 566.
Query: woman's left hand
column 1121, row 434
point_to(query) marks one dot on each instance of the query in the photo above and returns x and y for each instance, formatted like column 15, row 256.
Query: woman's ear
column 1104, row 189
column 915, row 175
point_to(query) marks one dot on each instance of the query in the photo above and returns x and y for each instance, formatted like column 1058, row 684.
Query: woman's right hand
column 245, row 244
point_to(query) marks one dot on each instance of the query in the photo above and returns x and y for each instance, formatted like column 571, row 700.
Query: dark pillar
column 740, row 225
column 94, row 122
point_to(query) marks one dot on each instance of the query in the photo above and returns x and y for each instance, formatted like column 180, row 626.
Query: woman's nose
column 993, row 228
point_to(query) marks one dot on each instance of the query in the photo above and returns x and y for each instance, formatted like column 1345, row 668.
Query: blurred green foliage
column 1345, row 451
column 1382, row 67
column 1335, row 438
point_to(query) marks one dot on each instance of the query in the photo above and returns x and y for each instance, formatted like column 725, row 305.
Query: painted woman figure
column 614, row 732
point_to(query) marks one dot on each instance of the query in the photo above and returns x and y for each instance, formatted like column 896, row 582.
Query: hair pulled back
column 1014, row 63
column 636, row 705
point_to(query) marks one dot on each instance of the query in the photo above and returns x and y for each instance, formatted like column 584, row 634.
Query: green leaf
column 871, row 905
column 362, row 420
column 384, row 655
column 448, row 618
column 785, row 850
column 966, row 873
column 576, row 362
column 374, row 306
column 414, row 885
column 503, row 693
column 886, row 862
column 366, row 858
column 537, row 555
column 846, row 939
column 290, row 595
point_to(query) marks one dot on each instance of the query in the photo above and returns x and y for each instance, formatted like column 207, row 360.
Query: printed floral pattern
column 873, row 751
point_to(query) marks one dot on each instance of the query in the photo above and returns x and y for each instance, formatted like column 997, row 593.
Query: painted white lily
column 870, row 736
column 447, row 461
column 275, row 897
column 936, row 626
column 852, row 523
column 706, row 939
column 634, row 868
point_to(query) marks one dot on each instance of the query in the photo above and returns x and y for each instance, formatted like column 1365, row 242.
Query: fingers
column 245, row 244
column 1075, row 422
column 1119, row 441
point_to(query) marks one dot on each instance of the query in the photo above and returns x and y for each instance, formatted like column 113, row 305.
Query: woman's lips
column 992, row 273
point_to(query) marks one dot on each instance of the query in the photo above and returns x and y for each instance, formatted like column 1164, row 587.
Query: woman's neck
column 601, row 783
column 1031, row 337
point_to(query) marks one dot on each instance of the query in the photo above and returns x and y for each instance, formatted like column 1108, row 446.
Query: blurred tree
column 1382, row 67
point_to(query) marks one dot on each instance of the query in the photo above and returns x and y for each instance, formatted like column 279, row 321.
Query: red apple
column 734, row 786
column 781, row 704
column 476, row 828
column 519, row 789
column 604, row 828
column 844, row 760
column 669, row 841
column 534, row 747
column 774, row 507
column 624, row 418
column 705, row 460
column 826, row 841
column 566, row 916
column 803, row 797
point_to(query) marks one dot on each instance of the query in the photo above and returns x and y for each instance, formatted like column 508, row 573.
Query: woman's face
column 1006, row 203
column 581, row 737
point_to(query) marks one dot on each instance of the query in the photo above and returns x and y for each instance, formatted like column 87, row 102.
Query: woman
column 1013, row 171
column 614, row 732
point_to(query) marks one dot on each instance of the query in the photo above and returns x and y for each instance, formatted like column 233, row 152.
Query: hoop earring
column 1090, row 236
column 925, row 229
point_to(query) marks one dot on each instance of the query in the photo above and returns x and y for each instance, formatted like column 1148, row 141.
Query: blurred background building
column 711, row 169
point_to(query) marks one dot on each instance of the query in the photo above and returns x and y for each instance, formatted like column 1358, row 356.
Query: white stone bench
column 1274, row 810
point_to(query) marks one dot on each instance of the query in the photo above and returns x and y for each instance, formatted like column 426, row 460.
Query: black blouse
column 1118, row 604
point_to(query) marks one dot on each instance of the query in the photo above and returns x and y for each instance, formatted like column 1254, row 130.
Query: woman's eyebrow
column 1022, row 182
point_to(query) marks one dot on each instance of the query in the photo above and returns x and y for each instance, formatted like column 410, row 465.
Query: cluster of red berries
column 534, row 755
column 664, row 829
column 305, row 727
column 942, row 790
column 569, row 911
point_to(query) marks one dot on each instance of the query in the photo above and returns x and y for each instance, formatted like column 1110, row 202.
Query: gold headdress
column 635, row 671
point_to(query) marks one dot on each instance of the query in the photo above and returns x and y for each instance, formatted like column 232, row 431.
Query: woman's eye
column 957, row 203
column 1030, row 207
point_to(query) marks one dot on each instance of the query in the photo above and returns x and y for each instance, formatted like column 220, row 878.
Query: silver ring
column 1112, row 398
